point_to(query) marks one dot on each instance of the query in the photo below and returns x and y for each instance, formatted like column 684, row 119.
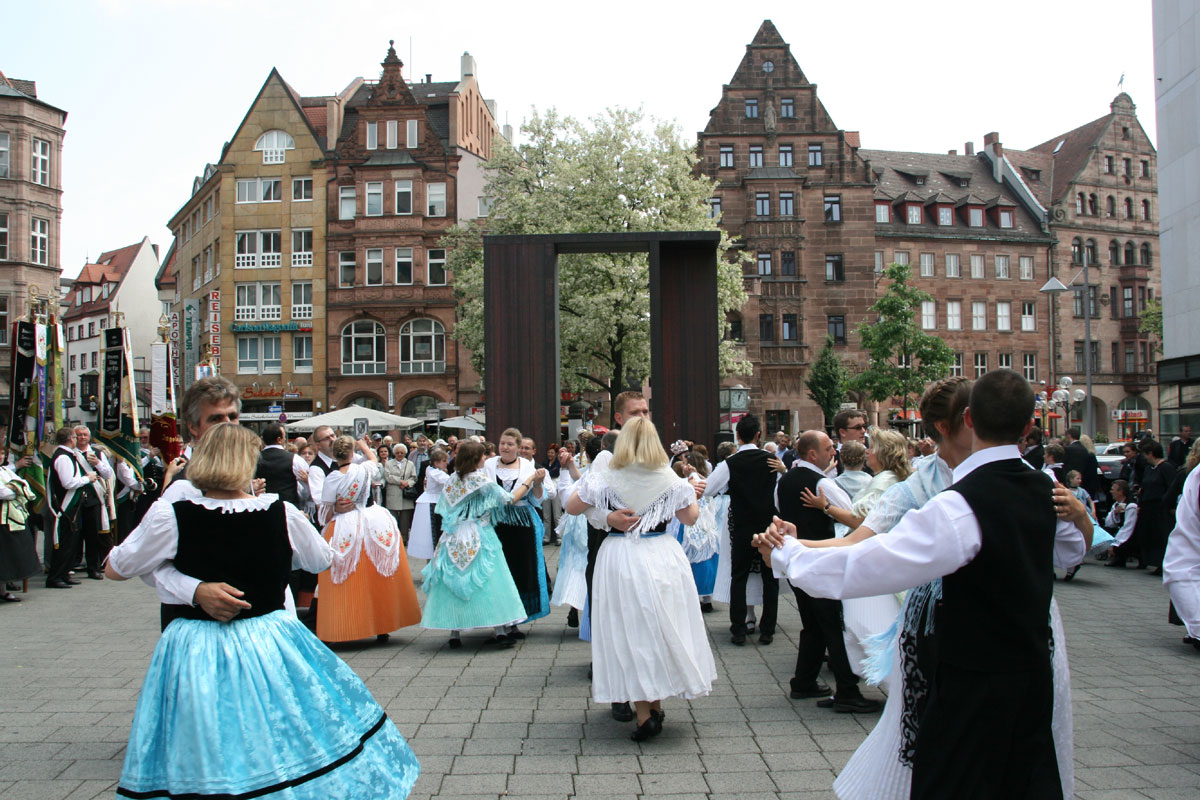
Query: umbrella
column 462, row 424
column 344, row 418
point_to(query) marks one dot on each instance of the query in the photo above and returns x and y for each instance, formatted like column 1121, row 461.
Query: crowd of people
column 943, row 599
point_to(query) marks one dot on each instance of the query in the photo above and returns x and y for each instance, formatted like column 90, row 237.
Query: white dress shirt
column 1126, row 527
column 68, row 476
column 718, row 478
column 929, row 542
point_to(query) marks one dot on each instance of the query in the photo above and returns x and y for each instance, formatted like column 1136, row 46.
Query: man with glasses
column 850, row 425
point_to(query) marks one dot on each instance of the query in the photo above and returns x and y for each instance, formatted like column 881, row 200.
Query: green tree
column 903, row 357
column 1152, row 321
column 611, row 175
column 827, row 381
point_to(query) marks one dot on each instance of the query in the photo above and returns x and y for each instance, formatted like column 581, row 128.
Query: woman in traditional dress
column 467, row 583
column 648, row 637
column 519, row 525
column 256, row 706
column 570, row 581
column 362, row 597
column 427, row 525
column 18, row 553
column 701, row 541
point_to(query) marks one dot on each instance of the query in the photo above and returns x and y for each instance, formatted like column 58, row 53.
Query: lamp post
column 1051, row 288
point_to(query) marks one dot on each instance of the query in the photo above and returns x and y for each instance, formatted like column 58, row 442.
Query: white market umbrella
column 463, row 424
column 343, row 418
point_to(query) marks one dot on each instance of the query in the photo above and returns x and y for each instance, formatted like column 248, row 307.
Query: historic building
column 117, row 288
column 1100, row 184
column 794, row 187
column 407, row 165
column 31, row 139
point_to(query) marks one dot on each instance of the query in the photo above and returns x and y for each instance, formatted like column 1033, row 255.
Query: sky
column 154, row 89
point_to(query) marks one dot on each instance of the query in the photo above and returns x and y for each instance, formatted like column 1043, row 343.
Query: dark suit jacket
column 1035, row 457
column 1078, row 458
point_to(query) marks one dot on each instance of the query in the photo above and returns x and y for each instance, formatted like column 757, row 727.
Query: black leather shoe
column 826, row 702
column 455, row 644
column 856, row 705
column 573, row 618
column 516, row 635
column 816, row 690
column 72, row 581
column 765, row 638
column 499, row 641
column 621, row 712
column 9, row 597
column 706, row 608
column 647, row 730
column 739, row 639
column 57, row 585
column 662, row 715
column 94, row 575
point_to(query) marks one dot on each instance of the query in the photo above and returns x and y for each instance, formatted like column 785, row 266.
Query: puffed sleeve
column 152, row 543
column 310, row 552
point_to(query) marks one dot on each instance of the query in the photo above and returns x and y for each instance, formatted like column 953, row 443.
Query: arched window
column 1130, row 253
column 1146, row 254
column 422, row 347
column 1077, row 249
column 366, row 401
column 1092, row 256
column 419, row 406
column 1146, row 209
column 274, row 145
column 1079, row 204
column 1114, row 252
column 364, row 350
column 1110, row 206
column 1092, row 205
column 1128, row 208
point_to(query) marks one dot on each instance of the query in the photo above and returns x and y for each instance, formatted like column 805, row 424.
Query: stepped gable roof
column 1072, row 157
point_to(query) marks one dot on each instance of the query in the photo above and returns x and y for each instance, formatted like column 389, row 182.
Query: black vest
column 751, row 491
column 811, row 523
column 275, row 466
column 247, row 549
column 88, row 495
column 58, row 494
column 995, row 611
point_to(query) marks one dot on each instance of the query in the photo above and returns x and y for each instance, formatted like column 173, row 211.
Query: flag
column 164, row 426
column 21, row 379
column 116, row 425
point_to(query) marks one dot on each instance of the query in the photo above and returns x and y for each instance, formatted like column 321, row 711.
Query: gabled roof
column 166, row 271
column 26, row 90
column 297, row 100
column 1072, row 156
column 110, row 267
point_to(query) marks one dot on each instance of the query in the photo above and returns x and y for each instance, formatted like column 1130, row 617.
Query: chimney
column 969, row 149
column 507, row 132
column 429, row 77
column 991, row 141
column 468, row 65
column 952, row 153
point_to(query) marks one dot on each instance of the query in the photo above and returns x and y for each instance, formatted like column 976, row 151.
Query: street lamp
column 1051, row 288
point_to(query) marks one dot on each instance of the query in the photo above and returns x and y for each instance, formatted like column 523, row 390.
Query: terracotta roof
column 110, row 267
column 853, row 139
column 317, row 117
column 166, row 272
column 1073, row 155
column 1027, row 163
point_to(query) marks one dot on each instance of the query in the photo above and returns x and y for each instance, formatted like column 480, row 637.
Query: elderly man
column 93, row 513
column 67, row 482
column 420, row 454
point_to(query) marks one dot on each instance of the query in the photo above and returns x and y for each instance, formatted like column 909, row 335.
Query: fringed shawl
column 654, row 495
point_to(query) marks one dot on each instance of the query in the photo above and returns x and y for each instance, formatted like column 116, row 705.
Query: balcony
column 1129, row 327
column 1136, row 382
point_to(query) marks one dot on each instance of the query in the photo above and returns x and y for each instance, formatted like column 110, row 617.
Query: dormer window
column 883, row 213
column 919, row 180
column 945, row 216
column 915, row 217
column 975, row 217
column 963, row 182
column 274, row 146
column 1006, row 218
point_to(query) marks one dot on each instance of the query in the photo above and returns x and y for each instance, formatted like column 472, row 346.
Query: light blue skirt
column 482, row 596
column 570, row 582
column 259, row 707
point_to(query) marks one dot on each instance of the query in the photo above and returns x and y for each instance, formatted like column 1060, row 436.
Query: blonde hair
column 891, row 449
column 853, row 455
column 1088, row 444
column 1193, row 457
column 638, row 444
column 342, row 448
column 224, row 459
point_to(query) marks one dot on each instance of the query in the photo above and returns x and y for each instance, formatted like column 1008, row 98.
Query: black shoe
column 1119, row 563
column 826, row 702
column 94, row 575
column 9, row 597
column 72, row 581
column 856, row 705
column 816, row 690
column 57, row 585
column 765, row 638
column 621, row 712
column 573, row 618
column 499, row 641
column 662, row 715
column 706, row 608
column 515, row 634
column 1193, row 642
column 589, row 671
column 1071, row 572
column 382, row 638
column 739, row 639
column 455, row 644
column 647, row 730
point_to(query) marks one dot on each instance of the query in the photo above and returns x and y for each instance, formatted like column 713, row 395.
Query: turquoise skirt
column 259, row 708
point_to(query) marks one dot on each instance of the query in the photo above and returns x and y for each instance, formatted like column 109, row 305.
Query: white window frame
column 1003, row 268
column 247, row 190
column 5, row 154
column 249, row 350
column 3, row 236
column 1029, row 366
column 433, row 260
column 270, row 301
column 756, row 156
column 347, row 193
column 372, row 135
column 979, row 315
column 245, row 254
column 953, row 265
column 403, row 187
column 302, row 300
column 883, row 213
column 420, row 329
column 1003, row 315
column 900, row 257
column 413, row 131
column 374, row 192
column 927, row 264
column 373, row 258
column 928, row 315
column 344, row 262
column 978, row 267
column 435, row 193
column 393, row 134
column 377, row 366
column 302, row 353
column 245, row 307
column 787, row 155
column 39, row 241
column 954, row 315
column 274, row 145
column 945, row 216
column 39, row 169
column 981, row 365
column 975, row 217
column 914, row 214
column 271, row 190
column 404, row 255
column 272, row 354
column 1007, row 218
column 274, row 256
column 1028, row 316
column 1026, row 266
column 302, row 256
column 299, row 184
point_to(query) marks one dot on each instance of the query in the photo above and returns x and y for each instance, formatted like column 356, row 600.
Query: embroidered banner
column 21, row 380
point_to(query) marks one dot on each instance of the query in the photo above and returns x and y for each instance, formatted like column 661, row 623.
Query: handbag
column 411, row 492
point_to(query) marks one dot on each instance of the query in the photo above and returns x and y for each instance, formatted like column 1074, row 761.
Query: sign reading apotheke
column 268, row 327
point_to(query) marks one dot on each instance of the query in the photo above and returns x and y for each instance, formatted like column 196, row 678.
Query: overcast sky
column 153, row 89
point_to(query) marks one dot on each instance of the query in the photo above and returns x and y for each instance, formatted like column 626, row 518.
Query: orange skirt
column 366, row 604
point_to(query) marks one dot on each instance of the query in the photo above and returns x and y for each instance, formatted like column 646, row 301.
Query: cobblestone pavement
column 519, row 723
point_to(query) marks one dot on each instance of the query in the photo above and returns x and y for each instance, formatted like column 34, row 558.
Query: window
column 816, row 155
column 1145, row 209
column 39, row 241
column 791, row 331
column 762, row 204
column 785, row 155
column 956, row 368
column 3, row 237
column 40, row 171
column 5, row 154
column 927, row 265
column 208, row 268
column 1145, row 254
column 93, row 359
column 347, row 203
column 302, row 189
column 363, row 348
column 764, row 263
column 436, row 260
column 1127, row 302
column 372, row 135
column 485, row 206
column 980, row 364
column 756, row 155
column 375, row 199
column 975, row 217
column 5, row 321
column 953, row 266
column 1076, row 250
column 883, row 213
column 302, row 352
column 422, row 347
column 1002, row 269
column 1130, row 253
column 1079, row 365
column 1028, row 317
column 714, row 208
column 1128, row 165
column 247, row 347
column 1114, row 305
column 346, row 268
column 247, row 192
column 787, row 108
column 914, row 214
column 270, row 252
column 900, row 257
column 928, row 315
column 272, row 301
column 413, row 133
column 1026, row 267
column 726, row 155
column 945, row 216
column 404, row 197
column 247, row 306
column 1004, row 360
column 1094, row 294
column 833, row 208
column 435, row 194
column 393, row 134
column 404, row 266
column 274, row 146
column 1079, row 204
column 1108, row 165
column 375, row 267
column 735, row 331
column 302, row 300
column 1145, row 168
column 834, row 270
column 72, row 367
column 751, row 108
column 1110, row 207
column 766, row 327
column 878, row 262
column 1004, row 316
column 1128, row 208
column 787, row 263
column 787, row 204
column 1130, row 358
column 977, row 268
column 1006, row 218
column 302, row 247
column 271, row 191
column 978, row 316
column 247, row 250
column 1091, row 205
column 1114, row 252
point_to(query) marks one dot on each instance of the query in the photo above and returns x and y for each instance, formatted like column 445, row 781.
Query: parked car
column 1110, row 458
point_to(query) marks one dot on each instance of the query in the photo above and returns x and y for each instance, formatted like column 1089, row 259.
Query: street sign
column 283, row 417
column 274, row 409
column 361, row 427
column 291, row 395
